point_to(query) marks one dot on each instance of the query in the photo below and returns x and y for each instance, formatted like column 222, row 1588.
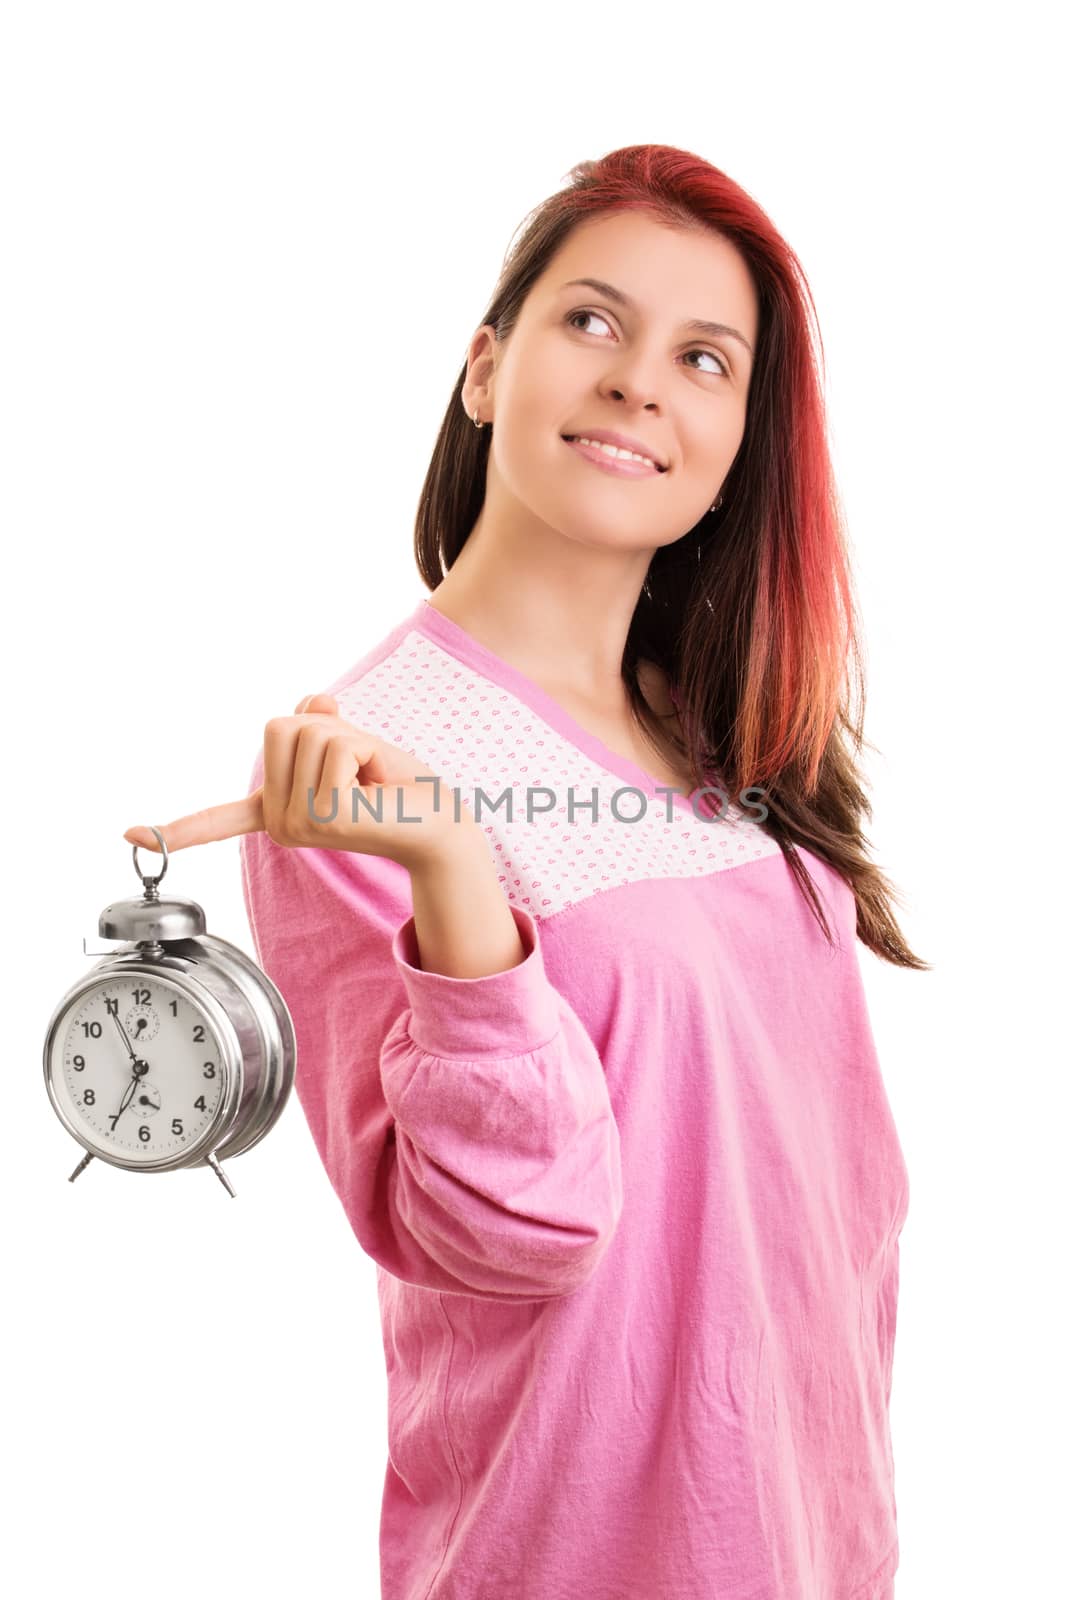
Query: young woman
column 582, row 1036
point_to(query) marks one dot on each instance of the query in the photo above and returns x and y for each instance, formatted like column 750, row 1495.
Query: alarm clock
column 173, row 1052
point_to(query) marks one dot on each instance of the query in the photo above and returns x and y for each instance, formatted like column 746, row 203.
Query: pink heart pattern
column 419, row 695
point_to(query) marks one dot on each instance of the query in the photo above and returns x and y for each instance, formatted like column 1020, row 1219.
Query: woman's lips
column 606, row 463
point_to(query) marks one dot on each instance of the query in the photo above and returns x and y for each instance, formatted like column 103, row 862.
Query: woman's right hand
column 317, row 750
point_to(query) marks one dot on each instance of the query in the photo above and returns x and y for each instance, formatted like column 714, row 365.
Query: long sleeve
column 464, row 1123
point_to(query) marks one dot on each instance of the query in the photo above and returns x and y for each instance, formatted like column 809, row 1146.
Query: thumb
column 318, row 702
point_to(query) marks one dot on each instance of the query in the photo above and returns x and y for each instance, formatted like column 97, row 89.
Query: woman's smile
column 604, row 457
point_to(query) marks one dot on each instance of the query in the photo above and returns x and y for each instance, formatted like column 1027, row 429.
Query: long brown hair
column 751, row 614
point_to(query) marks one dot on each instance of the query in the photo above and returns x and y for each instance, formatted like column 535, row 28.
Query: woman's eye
column 598, row 318
column 714, row 357
column 594, row 314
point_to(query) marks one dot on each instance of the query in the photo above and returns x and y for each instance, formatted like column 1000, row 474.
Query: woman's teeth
column 614, row 450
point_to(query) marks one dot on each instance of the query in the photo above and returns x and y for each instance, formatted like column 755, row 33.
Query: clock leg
column 212, row 1162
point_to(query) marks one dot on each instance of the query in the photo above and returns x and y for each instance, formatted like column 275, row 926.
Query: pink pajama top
column 634, row 1203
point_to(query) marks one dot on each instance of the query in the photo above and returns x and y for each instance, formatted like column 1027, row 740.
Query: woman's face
column 578, row 360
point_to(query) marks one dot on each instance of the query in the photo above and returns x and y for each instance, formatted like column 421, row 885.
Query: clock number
column 200, row 1104
column 92, row 1030
column 209, row 1069
column 198, row 1033
column 141, row 997
column 174, row 1008
column 112, row 1007
column 144, row 1133
column 89, row 1098
column 176, row 1127
column 79, row 1063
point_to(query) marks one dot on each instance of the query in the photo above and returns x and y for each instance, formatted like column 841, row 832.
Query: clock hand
column 139, row 1069
column 125, row 1035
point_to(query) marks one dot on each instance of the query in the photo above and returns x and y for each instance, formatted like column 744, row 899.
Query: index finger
column 204, row 827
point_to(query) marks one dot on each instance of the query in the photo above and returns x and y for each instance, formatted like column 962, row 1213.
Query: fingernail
column 140, row 836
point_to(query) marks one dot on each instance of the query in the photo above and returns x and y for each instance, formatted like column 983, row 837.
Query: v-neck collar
column 459, row 643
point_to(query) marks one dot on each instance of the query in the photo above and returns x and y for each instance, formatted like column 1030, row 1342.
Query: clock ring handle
column 153, row 879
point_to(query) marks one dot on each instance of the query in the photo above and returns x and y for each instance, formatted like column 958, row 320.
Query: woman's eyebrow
column 716, row 330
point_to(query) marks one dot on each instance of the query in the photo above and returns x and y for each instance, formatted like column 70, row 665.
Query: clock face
column 137, row 1067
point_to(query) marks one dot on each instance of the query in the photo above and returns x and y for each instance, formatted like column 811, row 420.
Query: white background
column 245, row 247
